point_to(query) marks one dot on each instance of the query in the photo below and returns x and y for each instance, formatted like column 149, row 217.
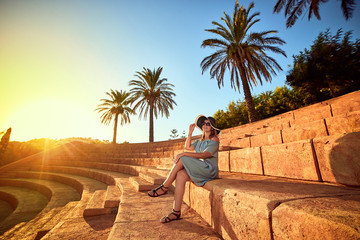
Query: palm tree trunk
column 151, row 126
column 115, row 128
column 249, row 102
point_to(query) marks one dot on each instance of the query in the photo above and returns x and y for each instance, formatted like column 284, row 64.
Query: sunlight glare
column 50, row 118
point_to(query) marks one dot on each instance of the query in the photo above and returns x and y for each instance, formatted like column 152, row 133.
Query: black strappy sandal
column 167, row 219
column 156, row 194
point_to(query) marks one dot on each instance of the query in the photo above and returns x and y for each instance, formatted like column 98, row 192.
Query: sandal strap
column 174, row 211
column 177, row 215
column 162, row 187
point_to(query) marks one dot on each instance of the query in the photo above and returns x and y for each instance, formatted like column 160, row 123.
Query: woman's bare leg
column 181, row 178
column 171, row 177
column 173, row 172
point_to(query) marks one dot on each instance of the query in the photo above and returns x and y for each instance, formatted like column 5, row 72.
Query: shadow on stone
column 344, row 160
column 102, row 222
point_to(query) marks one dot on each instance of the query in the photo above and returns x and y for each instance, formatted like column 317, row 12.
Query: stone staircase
column 292, row 176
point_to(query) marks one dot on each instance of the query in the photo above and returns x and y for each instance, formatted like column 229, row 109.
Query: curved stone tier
column 292, row 176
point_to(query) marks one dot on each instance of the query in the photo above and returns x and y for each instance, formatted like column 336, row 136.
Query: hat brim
column 200, row 119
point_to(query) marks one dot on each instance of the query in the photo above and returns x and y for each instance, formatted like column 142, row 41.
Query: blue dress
column 202, row 170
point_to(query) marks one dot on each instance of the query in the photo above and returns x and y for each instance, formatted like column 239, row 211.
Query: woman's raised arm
column 188, row 145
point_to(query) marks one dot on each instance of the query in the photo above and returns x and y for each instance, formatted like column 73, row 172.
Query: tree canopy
column 153, row 95
column 267, row 104
column 242, row 52
column 117, row 105
column 294, row 9
column 330, row 68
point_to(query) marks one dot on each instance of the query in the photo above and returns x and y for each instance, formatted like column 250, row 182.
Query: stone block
column 200, row 201
column 292, row 160
column 247, row 160
column 335, row 217
column 311, row 113
column 265, row 139
column 239, row 215
column 96, row 205
column 240, row 142
column 237, row 136
column 223, row 161
column 338, row 158
column 113, row 195
column 344, row 124
column 346, row 103
column 304, row 131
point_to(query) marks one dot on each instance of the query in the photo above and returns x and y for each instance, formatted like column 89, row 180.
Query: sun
column 51, row 118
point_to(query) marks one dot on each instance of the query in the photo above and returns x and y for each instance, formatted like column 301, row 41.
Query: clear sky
column 58, row 59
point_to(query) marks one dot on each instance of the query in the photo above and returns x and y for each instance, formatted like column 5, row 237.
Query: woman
column 200, row 166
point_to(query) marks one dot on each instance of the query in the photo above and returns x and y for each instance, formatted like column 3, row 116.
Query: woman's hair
column 212, row 134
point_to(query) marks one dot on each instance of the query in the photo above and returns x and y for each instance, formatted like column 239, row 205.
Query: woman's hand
column 177, row 157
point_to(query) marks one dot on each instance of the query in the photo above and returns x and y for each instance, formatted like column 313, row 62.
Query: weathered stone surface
column 311, row 113
column 29, row 204
column 344, row 104
column 240, row 142
column 336, row 217
column 223, row 161
column 344, row 124
column 265, row 139
column 234, row 138
column 293, row 160
column 246, row 160
column 203, row 206
column 96, row 227
column 304, row 131
column 242, row 203
column 190, row 227
column 338, row 158
column 139, row 215
column 113, row 195
column 237, row 215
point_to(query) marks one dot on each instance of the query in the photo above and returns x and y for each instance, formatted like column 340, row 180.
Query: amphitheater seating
column 292, row 176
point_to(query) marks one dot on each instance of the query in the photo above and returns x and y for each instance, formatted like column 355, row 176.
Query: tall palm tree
column 294, row 9
column 117, row 105
column 241, row 52
column 153, row 95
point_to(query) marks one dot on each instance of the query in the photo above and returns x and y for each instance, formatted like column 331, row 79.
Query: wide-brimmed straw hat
column 201, row 118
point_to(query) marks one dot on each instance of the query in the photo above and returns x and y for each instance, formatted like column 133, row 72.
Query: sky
column 59, row 58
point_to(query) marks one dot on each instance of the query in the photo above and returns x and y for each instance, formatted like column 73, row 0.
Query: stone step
column 41, row 224
column 30, row 229
column 140, row 184
column 139, row 214
column 153, row 178
column 55, row 219
column 113, row 195
column 30, row 203
column 330, row 158
column 161, row 172
column 78, row 210
column 96, row 205
column 80, row 183
column 11, row 232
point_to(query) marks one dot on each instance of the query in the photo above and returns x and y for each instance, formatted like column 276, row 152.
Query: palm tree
column 153, row 95
column 294, row 9
column 117, row 105
column 242, row 53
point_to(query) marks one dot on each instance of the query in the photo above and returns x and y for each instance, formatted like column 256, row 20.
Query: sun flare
column 49, row 118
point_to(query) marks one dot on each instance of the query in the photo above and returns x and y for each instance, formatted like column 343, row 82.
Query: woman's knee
column 182, row 176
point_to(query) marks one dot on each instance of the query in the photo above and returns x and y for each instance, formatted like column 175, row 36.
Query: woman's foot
column 174, row 215
column 161, row 190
